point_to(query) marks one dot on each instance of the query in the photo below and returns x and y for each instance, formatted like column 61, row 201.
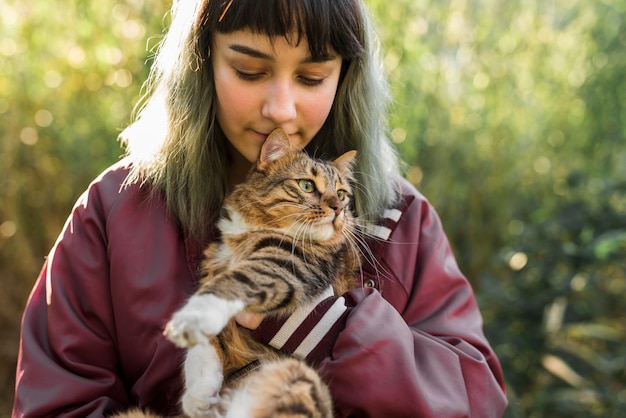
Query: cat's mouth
column 328, row 229
column 338, row 221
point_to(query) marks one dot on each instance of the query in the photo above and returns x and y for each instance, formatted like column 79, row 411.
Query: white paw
column 197, row 403
column 202, row 318
column 203, row 381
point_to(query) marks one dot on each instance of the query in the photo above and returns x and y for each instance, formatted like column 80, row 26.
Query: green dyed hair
column 176, row 145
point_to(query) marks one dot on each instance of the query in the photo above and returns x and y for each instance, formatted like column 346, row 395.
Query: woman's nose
column 280, row 104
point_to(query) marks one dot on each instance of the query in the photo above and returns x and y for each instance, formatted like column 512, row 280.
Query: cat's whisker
column 290, row 216
column 295, row 237
column 359, row 244
column 308, row 228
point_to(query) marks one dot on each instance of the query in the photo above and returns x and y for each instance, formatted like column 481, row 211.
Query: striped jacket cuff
column 308, row 333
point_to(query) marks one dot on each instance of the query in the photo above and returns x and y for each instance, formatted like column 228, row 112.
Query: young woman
column 410, row 342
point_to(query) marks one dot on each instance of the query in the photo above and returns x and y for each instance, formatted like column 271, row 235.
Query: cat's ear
column 346, row 160
column 275, row 146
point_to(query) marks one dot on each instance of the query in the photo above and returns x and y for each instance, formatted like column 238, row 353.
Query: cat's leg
column 267, row 281
column 202, row 318
column 281, row 389
column 193, row 327
column 203, row 381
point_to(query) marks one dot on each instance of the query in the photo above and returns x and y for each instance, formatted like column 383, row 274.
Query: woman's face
column 263, row 84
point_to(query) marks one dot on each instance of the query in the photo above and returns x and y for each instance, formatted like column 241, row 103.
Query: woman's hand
column 249, row 320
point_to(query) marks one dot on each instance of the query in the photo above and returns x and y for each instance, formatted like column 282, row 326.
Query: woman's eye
column 247, row 76
column 312, row 82
column 306, row 185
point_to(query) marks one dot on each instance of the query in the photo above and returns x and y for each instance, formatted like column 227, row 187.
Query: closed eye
column 307, row 81
column 248, row 76
column 311, row 82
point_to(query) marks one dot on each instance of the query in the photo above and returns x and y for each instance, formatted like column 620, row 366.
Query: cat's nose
column 335, row 205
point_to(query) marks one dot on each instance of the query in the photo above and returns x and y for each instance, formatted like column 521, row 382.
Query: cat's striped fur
column 286, row 239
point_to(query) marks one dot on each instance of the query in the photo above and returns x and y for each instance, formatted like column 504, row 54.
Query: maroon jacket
column 408, row 343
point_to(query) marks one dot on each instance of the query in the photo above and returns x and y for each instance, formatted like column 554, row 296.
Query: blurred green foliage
column 70, row 74
column 510, row 116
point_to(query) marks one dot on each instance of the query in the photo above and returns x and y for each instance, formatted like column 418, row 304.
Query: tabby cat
column 286, row 239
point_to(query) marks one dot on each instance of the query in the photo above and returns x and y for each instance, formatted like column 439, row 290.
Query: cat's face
column 289, row 191
column 312, row 201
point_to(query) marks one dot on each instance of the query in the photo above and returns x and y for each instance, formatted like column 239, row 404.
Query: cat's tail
column 280, row 389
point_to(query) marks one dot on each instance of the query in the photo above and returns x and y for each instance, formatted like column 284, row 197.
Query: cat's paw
column 202, row 318
column 203, row 382
column 197, row 404
column 199, row 399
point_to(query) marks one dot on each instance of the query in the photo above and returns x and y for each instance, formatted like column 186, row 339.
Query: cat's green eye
column 341, row 194
column 306, row 185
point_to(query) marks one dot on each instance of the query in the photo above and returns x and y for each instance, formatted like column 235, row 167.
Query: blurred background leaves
column 510, row 116
column 70, row 74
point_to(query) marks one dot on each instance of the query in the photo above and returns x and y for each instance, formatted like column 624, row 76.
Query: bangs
column 322, row 23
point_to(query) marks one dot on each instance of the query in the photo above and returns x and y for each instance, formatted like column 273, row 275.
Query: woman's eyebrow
column 246, row 50
column 255, row 53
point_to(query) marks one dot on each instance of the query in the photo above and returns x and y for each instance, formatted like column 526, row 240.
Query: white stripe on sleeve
column 321, row 328
column 297, row 317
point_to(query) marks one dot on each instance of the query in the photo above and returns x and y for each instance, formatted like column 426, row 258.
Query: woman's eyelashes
column 311, row 81
column 248, row 76
column 307, row 80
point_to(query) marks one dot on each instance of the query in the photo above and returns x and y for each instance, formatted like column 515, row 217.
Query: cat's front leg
column 202, row 318
column 203, row 381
